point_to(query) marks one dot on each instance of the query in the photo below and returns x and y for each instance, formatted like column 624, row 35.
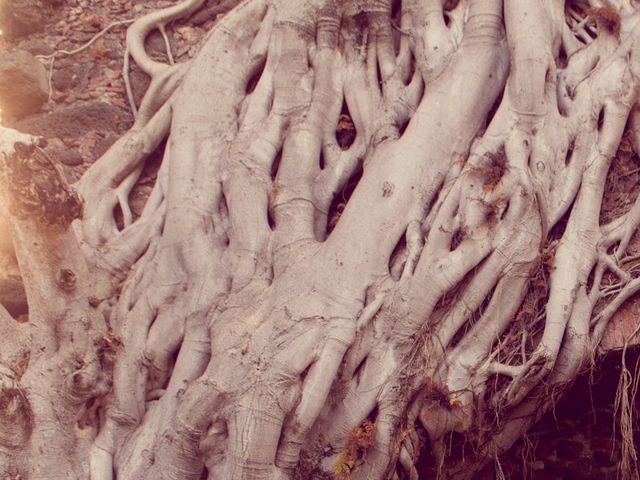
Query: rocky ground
column 77, row 102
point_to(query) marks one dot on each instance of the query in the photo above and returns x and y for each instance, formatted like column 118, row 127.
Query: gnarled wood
column 373, row 218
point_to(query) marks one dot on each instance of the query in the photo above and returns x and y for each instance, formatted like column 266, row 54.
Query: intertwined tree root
column 245, row 326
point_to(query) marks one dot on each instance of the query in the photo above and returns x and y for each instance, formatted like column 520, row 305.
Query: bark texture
column 376, row 234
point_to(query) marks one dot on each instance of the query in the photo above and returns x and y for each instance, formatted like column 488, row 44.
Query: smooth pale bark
column 244, row 326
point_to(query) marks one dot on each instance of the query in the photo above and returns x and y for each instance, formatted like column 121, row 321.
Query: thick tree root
column 372, row 217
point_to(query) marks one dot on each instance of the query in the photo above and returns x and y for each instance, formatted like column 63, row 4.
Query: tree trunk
column 376, row 233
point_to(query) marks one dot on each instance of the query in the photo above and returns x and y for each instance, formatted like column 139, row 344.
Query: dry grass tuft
column 358, row 441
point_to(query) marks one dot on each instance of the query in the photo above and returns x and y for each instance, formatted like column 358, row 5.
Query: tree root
column 249, row 335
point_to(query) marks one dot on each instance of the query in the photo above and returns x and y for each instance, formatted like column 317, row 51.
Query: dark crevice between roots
column 569, row 156
column 272, row 194
column 271, row 219
column 255, row 77
column 399, row 250
column 373, row 415
column 340, row 200
column 396, row 11
column 600, row 123
column 359, row 369
column 562, row 60
column 457, row 447
column 118, row 217
column 411, row 73
column 425, row 464
column 503, row 214
column 223, row 211
column 396, row 20
column 591, row 278
column 458, row 237
column 345, row 130
column 275, row 165
column 556, row 231
column 403, row 126
column 492, row 111
column 450, row 5
column 305, row 372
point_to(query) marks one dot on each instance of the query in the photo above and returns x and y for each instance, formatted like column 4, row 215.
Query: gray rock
column 36, row 46
column 70, row 157
column 115, row 50
column 24, row 85
column 75, row 121
column 70, row 77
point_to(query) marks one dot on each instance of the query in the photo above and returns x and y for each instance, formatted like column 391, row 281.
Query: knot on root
column 67, row 279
